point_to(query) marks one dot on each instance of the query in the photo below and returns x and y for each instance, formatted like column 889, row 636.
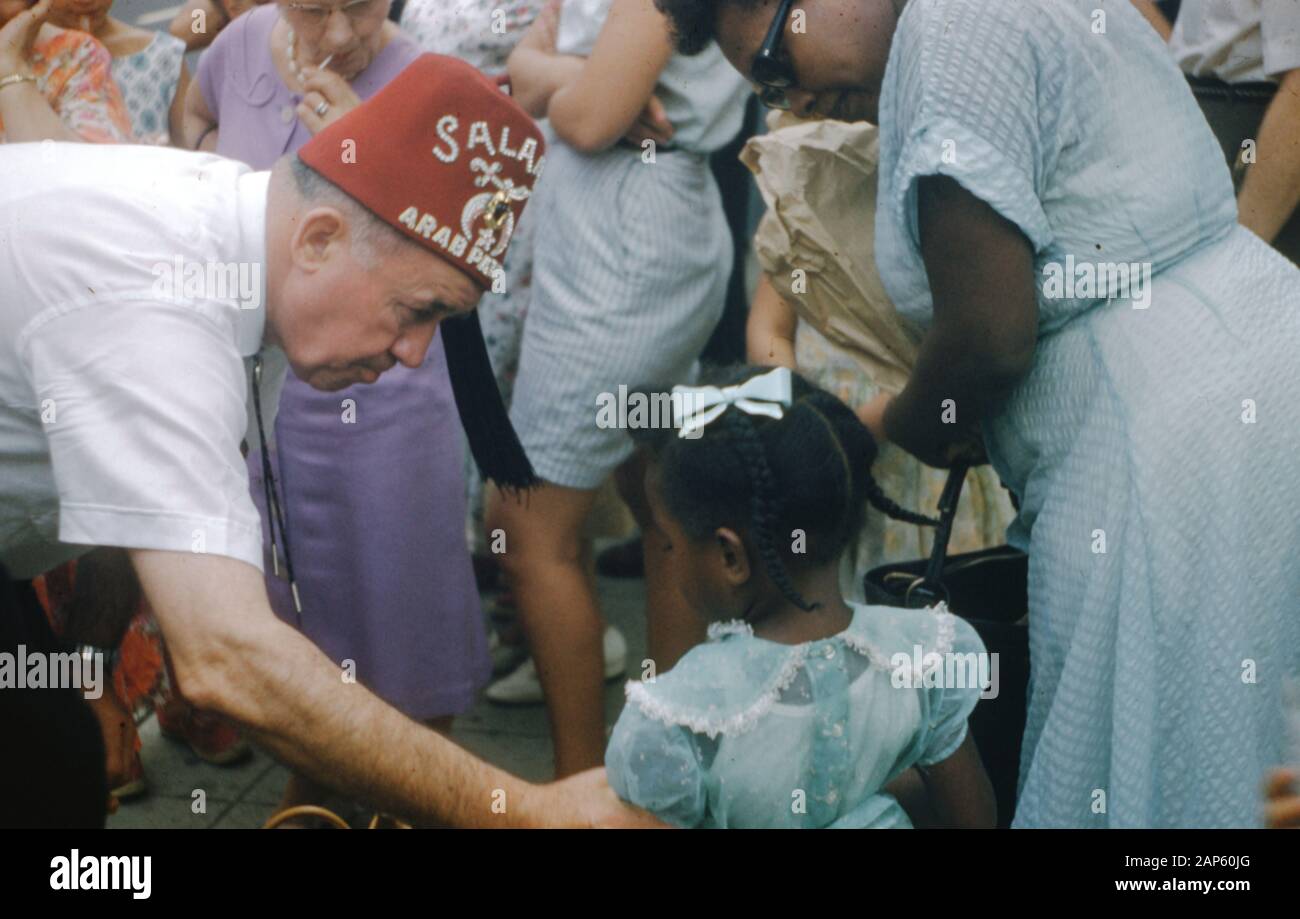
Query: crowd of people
column 407, row 422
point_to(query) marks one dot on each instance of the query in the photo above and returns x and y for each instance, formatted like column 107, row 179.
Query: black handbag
column 989, row 589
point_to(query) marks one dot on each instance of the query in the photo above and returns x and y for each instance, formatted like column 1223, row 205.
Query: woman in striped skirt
column 631, row 264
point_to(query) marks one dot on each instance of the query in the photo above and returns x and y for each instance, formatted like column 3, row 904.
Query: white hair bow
column 767, row 394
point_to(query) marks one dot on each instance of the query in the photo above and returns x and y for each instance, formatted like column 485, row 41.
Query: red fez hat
column 442, row 154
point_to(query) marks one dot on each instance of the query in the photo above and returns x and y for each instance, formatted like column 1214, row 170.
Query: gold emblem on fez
column 492, row 206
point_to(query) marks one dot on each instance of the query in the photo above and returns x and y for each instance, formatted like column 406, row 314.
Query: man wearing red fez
column 150, row 299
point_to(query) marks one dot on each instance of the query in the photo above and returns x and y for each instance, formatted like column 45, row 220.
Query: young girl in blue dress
column 802, row 710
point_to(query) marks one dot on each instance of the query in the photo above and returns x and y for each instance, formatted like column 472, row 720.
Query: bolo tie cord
column 275, row 517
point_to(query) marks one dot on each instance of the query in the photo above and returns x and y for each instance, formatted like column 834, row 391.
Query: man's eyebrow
column 450, row 314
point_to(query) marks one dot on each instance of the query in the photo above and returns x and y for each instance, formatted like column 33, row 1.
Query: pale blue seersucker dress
column 746, row 733
column 1174, row 429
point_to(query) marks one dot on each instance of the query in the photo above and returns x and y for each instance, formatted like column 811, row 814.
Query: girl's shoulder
column 720, row 687
column 727, row 684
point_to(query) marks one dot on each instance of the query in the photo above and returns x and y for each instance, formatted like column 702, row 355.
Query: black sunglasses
column 774, row 74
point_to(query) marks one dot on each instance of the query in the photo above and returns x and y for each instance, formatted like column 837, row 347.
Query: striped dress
column 631, row 270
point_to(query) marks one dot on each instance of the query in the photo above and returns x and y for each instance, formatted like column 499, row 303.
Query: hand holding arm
column 611, row 93
column 231, row 654
column 536, row 70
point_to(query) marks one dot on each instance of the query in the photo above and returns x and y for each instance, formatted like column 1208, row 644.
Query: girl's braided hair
column 810, row 470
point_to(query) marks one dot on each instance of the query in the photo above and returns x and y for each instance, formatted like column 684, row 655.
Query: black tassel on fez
column 492, row 439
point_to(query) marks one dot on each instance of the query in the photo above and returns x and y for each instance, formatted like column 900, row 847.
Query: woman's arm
column 197, row 122
column 535, row 70
column 592, row 112
column 770, row 330
column 1271, row 192
column 981, row 342
column 26, row 116
column 959, row 792
column 176, row 115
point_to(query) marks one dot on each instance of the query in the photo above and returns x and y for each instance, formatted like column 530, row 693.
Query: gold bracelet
column 15, row 78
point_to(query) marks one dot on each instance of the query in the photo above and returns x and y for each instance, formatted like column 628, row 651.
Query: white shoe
column 505, row 658
column 522, row 687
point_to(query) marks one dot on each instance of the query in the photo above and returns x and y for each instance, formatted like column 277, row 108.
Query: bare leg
column 545, row 566
column 672, row 628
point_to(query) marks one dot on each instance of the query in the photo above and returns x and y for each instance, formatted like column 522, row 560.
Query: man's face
column 344, row 321
column 838, row 50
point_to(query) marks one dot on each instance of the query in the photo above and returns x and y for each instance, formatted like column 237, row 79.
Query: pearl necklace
column 291, row 60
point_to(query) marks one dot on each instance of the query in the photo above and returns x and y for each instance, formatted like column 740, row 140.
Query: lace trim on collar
column 713, row 725
column 720, row 630
column 710, row 724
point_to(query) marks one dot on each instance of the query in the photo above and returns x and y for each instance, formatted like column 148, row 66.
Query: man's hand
column 586, row 800
column 1283, row 808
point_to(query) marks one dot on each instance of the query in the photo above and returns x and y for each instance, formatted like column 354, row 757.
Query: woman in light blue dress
column 802, row 710
column 1055, row 211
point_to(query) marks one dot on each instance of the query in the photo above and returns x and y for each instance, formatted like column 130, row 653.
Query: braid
column 754, row 459
column 875, row 495
column 845, row 519
column 882, row 502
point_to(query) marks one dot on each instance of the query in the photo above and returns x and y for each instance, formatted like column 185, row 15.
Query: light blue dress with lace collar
column 749, row 733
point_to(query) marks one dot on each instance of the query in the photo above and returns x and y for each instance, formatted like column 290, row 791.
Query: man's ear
column 317, row 232
column 734, row 555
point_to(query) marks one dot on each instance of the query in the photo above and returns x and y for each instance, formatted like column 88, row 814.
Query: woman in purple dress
column 372, row 475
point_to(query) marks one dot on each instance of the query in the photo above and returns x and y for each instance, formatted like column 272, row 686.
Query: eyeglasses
column 314, row 15
column 774, row 73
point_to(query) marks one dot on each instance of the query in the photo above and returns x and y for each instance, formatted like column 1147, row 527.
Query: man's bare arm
column 231, row 654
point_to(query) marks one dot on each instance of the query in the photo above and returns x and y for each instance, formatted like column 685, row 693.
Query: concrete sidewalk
column 244, row 796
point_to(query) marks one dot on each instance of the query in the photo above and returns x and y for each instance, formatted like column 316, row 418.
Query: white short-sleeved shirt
column 132, row 300
column 1238, row 41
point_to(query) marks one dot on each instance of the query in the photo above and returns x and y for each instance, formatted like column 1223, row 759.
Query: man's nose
column 411, row 347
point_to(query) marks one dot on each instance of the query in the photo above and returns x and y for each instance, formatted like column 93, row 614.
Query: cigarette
column 325, row 63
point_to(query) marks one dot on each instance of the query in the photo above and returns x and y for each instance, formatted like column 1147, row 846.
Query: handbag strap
column 930, row 588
